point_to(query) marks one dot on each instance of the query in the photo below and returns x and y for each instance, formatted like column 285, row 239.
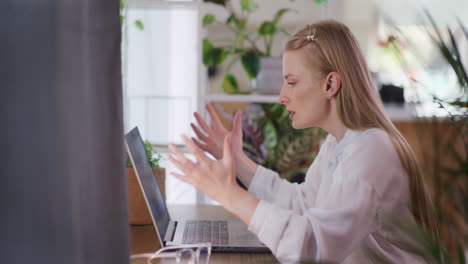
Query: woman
column 365, row 169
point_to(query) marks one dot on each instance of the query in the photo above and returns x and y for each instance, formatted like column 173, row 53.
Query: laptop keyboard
column 206, row 231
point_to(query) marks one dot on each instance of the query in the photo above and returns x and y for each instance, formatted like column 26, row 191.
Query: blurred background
column 170, row 71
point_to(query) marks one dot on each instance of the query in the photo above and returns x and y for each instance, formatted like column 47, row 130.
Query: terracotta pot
column 138, row 211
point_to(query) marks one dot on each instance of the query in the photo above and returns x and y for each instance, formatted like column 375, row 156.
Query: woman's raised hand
column 210, row 139
column 215, row 178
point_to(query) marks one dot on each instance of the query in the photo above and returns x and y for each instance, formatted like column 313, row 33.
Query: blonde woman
column 364, row 169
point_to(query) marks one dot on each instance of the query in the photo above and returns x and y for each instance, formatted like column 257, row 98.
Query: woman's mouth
column 291, row 114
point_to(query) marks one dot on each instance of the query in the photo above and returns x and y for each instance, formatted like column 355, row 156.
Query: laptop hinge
column 170, row 233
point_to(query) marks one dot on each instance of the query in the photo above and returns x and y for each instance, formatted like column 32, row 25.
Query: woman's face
column 303, row 91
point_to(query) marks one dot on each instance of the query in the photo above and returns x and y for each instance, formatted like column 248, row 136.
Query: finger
column 202, row 123
column 176, row 151
column 227, row 154
column 186, row 165
column 176, row 162
column 195, row 150
column 238, row 123
column 180, row 160
column 199, row 144
column 199, row 133
column 214, row 117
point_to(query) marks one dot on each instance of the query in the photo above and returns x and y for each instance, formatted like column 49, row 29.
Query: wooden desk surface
column 143, row 238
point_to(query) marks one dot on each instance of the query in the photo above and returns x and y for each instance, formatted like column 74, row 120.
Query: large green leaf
column 208, row 19
column 279, row 14
column 251, row 63
column 230, row 84
column 248, row 5
column 213, row 55
column 267, row 28
column 230, row 19
column 207, row 48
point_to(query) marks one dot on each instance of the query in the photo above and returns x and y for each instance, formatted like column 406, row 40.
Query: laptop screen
column 148, row 181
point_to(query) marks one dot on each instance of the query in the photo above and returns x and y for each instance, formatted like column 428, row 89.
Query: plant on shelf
column 243, row 45
column 271, row 141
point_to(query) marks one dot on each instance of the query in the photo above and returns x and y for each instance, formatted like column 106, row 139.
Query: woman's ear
column 333, row 81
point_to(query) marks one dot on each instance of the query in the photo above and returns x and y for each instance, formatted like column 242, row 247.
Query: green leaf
column 213, row 55
column 271, row 137
column 219, row 55
column 458, row 64
column 230, row 19
column 208, row 19
column 267, row 28
column 154, row 161
column 216, row 2
column 248, row 5
column 207, row 49
column 230, row 84
column 280, row 14
column 251, row 63
column 139, row 24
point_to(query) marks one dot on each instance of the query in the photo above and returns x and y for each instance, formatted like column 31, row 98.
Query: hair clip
column 311, row 37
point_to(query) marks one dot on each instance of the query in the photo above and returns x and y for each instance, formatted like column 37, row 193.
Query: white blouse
column 334, row 214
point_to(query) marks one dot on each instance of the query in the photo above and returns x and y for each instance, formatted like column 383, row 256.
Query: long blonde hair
column 335, row 49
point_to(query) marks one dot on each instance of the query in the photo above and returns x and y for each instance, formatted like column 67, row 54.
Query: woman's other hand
column 215, row 178
column 210, row 139
column 212, row 177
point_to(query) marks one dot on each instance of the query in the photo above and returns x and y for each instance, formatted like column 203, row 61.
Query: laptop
column 224, row 236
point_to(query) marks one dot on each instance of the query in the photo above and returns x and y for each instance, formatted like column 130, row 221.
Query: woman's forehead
column 297, row 63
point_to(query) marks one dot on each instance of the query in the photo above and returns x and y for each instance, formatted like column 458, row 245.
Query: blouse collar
column 347, row 138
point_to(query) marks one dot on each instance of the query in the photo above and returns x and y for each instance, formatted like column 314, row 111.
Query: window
column 162, row 75
column 412, row 55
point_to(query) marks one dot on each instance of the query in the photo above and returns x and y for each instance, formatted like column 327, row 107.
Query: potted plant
column 138, row 211
column 258, row 62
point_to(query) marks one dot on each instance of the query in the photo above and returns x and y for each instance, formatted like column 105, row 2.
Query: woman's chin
column 296, row 125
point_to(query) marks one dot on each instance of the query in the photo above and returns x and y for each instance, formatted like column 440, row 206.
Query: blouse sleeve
column 336, row 228
column 330, row 233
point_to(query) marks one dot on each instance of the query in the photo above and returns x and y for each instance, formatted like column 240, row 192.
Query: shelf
column 248, row 98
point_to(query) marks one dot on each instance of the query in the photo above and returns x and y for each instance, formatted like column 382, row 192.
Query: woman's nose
column 282, row 99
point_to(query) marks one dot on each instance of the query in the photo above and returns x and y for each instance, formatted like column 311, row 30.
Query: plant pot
column 270, row 77
column 138, row 211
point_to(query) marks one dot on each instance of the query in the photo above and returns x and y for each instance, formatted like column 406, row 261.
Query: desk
column 143, row 238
